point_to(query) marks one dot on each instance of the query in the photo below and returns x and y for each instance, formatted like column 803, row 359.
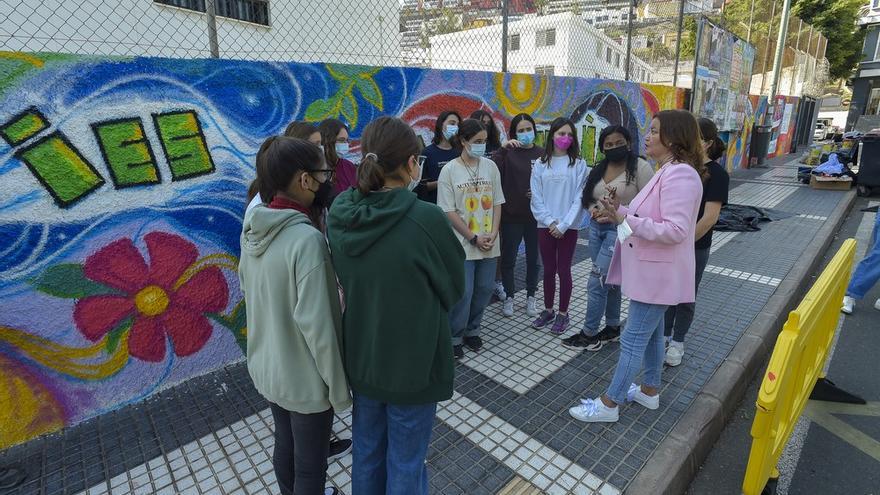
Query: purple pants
column 556, row 254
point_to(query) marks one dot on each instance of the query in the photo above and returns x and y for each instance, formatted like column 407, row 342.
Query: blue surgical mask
column 341, row 149
column 477, row 150
column 450, row 131
column 526, row 138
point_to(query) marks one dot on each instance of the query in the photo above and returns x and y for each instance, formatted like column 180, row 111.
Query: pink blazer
column 655, row 264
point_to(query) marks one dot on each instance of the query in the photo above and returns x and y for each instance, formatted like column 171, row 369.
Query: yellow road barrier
column 797, row 362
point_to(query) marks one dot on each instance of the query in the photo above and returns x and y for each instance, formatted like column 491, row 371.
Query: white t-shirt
column 472, row 193
column 557, row 190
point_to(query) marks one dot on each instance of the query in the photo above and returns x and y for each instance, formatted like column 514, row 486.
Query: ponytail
column 370, row 176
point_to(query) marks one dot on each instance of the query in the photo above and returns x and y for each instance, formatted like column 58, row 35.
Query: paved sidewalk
column 507, row 430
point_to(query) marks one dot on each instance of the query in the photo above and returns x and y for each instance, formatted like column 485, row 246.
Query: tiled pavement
column 507, row 426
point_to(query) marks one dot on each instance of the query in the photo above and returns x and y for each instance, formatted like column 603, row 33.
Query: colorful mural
column 123, row 188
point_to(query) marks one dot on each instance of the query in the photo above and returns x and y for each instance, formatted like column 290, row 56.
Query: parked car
column 819, row 133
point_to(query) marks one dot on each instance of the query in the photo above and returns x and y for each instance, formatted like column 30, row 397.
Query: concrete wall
column 122, row 189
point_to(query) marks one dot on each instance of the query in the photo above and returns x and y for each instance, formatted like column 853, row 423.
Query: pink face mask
column 563, row 142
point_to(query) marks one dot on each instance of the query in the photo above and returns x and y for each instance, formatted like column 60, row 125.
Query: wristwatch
column 473, row 240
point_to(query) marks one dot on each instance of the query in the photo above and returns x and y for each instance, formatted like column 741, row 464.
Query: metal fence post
column 211, row 12
column 505, row 17
column 780, row 48
column 767, row 50
column 797, row 47
column 678, row 43
column 629, row 39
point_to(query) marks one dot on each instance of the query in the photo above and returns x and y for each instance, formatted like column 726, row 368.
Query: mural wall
column 784, row 126
column 123, row 185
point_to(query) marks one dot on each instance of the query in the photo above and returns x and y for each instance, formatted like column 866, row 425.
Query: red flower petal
column 170, row 256
column 187, row 330
column 146, row 341
column 119, row 265
column 95, row 316
column 205, row 292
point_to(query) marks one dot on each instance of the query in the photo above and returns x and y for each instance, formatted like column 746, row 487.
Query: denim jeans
column 867, row 272
column 511, row 236
column 466, row 315
column 641, row 341
column 601, row 298
column 300, row 455
column 679, row 317
column 390, row 443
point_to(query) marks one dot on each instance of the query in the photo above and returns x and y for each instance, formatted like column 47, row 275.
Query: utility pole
column 629, row 38
column 780, row 48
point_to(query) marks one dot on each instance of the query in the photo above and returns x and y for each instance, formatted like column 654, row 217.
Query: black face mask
column 619, row 154
column 324, row 195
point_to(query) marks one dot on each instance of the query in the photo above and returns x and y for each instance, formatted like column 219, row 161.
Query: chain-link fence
column 640, row 40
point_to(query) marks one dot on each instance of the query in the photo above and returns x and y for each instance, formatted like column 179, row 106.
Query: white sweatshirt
column 557, row 189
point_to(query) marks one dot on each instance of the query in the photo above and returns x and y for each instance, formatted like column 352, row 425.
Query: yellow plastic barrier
column 797, row 362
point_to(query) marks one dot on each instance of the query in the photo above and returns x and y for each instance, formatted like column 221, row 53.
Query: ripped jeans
column 601, row 298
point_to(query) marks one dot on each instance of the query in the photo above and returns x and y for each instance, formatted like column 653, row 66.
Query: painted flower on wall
column 166, row 299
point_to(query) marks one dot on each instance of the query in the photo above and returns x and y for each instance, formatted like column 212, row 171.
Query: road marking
column 751, row 277
column 822, row 413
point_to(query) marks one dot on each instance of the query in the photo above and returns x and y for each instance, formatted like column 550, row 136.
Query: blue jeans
column 601, row 298
column 390, row 443
column 466, row 315
column 867, row 272
column 641, row 341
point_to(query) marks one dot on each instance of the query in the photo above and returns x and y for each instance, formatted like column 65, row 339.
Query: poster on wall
column 722, row 76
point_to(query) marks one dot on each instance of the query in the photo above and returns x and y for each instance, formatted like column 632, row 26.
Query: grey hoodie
column 294, row 321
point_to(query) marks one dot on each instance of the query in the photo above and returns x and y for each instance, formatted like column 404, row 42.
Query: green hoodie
column 293, row 312
column 402, row 270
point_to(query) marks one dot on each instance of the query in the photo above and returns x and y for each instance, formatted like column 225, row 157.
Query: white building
column 295, row 30
column 559, row 44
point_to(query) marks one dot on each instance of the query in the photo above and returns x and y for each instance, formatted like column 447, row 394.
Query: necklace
column 476, row 173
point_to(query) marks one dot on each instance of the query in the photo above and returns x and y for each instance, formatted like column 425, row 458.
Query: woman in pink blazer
column 653, row 260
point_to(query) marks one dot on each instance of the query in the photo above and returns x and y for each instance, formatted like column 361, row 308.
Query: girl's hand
column 555, row 232
column 612, row 196
column 485, row 243
column 513, row 143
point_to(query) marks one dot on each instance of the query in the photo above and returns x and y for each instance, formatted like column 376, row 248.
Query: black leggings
column 302, row 442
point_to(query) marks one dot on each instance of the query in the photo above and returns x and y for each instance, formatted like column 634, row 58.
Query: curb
column 677, row 459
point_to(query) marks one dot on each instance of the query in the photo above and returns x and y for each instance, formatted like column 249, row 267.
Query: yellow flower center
column 151, row 301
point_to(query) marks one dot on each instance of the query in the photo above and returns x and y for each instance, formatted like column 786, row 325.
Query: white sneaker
column 507, row 310
column 849, row 303
column 877, row 304
column 635, row 394
column 499, row 291
column 531, row 307
column 674, row 353
column 594, row 411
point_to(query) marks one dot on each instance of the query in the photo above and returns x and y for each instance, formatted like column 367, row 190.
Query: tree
column 836, row 20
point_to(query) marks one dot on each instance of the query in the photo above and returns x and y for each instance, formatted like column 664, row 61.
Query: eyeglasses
column 328, row 173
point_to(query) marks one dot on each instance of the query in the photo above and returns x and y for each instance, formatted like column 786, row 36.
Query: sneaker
column 339, row 448
column 560, row 325
column 635, row 394
column 332, row 490
column 507, row 310
column 609, row 334
column 877, row 304
column 544, row 318
column 473, row 343
column 531, row 307
column 849, row 303
column 580, row 341
column 594, row 411
column 499, row 291
column 674, row 353
column 458, row 351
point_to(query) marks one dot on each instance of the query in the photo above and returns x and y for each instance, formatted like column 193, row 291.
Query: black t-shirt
column 714, row 190
column 435, row 158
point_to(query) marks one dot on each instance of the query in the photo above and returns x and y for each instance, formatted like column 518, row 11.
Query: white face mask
column 341, row 149
column 477, row 150
column 414, row 183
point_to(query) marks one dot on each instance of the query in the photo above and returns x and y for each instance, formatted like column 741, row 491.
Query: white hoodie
column 557, row 189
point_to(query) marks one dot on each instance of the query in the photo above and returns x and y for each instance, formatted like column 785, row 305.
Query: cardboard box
column 831, row 183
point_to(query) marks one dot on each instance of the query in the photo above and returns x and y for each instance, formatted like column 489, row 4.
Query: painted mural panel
column 123, row 185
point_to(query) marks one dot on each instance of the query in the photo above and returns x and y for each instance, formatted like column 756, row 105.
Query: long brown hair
column 574, row 151
column 387, row 143
column 680, row 134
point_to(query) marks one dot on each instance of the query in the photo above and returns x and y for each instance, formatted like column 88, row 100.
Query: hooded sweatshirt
column 294, row 321
column 402, row 270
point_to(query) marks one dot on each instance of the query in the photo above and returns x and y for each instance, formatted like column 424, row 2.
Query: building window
column 599, row 48
column 545, row 37
column 875, row 4
column 874, row 102
column 617, row 60
column 544, row 70
column 513, row 42
column 608, row 54
column 256, row 11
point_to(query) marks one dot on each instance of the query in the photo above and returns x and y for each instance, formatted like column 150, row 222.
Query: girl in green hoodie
column 402, row 270
column 294, row 319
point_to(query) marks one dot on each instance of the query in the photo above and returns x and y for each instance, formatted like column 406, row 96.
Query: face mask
column 323, row 195
column 563, row 142
column 341, row 149
column 477, row 150
column 617, row 155
column 451, row 130
column 526, row 138
column 414, row 183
